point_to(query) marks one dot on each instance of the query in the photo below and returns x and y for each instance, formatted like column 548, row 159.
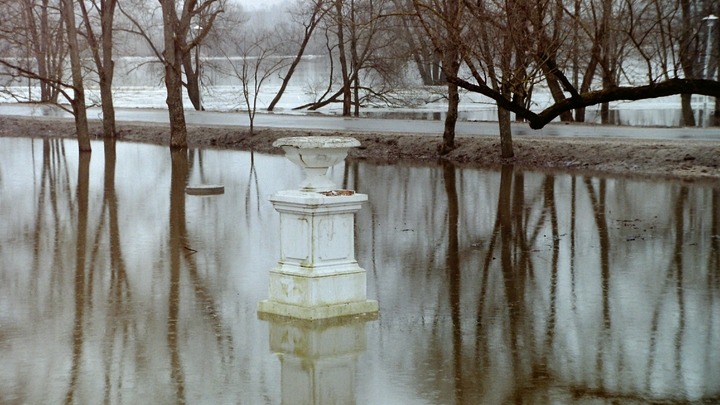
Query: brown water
column 494, row 286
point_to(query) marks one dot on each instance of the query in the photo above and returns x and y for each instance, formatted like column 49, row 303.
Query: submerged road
column 332, row 123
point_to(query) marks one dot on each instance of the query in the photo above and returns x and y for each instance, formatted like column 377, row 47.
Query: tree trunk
column 587, row 82
column 172, row 60
column 605, row 113
column 605, row 39
column 576, row 45
column 309, row 29
column 42, row 48
column 687, row 57
column 605, row 107
column 251, row 117
column 78, row 101
column 451, row 67
column 178, row 129
column 107, row 71
column 108, row 106
column 192, row 79
column 557, row 93
column 506, row 144
column 448, row 142
column 102, row 51
column 347, row 95
column 355, row 63
column 688, row 116
column 45, row 41
column 438, row 75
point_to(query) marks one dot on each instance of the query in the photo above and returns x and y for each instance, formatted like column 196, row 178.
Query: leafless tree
column 33, row 46
column 179, row 41
column 508, row 47
column 78, row 86
column 339, row 20
column 417, row 46
column 99, row 15
column 254, row 56
column 360, row 38
column 177, row 50
column 39, row 36
column 373, row 55
column 309, row 14
column 443, row 22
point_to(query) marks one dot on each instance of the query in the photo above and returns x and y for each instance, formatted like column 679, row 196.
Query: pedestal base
column 320, row 312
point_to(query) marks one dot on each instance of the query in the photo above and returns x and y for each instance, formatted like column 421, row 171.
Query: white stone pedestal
column 317, row 275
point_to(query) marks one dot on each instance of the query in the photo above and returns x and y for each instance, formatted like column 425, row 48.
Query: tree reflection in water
column 566, row 298
column 83, row 189
column 495, row 286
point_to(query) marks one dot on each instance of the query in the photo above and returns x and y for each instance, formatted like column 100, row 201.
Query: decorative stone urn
column 316, row 154
column 317, row 275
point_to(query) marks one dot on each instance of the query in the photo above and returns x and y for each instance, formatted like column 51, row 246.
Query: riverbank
column 682, row 160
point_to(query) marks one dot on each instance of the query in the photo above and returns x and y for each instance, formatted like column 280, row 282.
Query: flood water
column 494, row 286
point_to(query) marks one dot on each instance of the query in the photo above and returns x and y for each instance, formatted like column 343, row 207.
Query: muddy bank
column 683, row 160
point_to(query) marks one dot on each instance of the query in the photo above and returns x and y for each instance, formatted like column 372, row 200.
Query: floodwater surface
column 118, row 287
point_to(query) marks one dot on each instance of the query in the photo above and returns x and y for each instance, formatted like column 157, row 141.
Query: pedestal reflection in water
column 494, row 286
column 318, row 358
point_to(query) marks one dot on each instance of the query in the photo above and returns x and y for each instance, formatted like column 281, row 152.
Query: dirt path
column 684, row 160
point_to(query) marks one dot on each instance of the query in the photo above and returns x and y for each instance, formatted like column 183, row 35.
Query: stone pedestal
column 317, row 275
column 318, row 358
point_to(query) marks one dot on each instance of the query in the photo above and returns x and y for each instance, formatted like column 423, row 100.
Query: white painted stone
column 309, row 291
column 317, row 232
column 316, row 154
column 321, row 312
column 317, row 275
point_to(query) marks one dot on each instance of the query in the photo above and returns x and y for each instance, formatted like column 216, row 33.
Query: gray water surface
column 494, row 286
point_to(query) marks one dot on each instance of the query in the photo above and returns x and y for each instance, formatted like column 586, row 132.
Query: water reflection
column 494, row 286
column 318, row 358
column 571, row 289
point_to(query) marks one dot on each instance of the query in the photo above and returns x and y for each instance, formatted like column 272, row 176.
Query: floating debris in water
column 205, row 189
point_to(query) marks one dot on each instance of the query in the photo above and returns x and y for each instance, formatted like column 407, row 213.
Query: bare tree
column 321, row 100
column 309, row 20
column 442, row 21
column 175, row 31
column 34, row 49
column 418, row 47
column 25, row 36
column 344, row 69
column 509, row 46
column 101, row 48
column 31, row 34
column 372, row 51
column 256, row 56
column 361, row 38
column 193, row 71
column 177, row 47
column 78, row 100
